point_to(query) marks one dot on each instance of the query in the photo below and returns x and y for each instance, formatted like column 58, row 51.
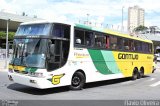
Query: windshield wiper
column 22, row 57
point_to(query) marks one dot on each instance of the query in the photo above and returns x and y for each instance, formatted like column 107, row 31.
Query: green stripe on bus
column 110, row 61
column 83, row 26
column 99, row 61
column 30, row 69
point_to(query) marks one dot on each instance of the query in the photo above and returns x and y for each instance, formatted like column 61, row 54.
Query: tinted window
column 131, row 45
column 113, row 42
column 138, row 46
column 107, row 42
column 60, row 30
column 89, row 38
column 120, row 44
column 79, row 37
column 100, row 40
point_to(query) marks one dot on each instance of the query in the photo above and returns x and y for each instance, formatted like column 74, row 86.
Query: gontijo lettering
column 127, row 56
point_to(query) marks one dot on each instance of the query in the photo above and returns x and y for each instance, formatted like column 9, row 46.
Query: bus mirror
column 51, row 49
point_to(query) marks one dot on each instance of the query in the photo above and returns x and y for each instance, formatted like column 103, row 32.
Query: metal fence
column 3, row 57
column 3, row 54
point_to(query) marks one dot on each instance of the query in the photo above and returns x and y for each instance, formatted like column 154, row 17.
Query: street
column 147, row 88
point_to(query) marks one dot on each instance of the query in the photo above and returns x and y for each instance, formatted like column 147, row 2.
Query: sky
column 99, row 12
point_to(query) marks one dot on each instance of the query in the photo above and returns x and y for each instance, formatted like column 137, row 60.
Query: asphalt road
column 147, row 88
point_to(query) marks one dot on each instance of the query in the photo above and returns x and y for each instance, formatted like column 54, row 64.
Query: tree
column 140, row 28
column 10, row 35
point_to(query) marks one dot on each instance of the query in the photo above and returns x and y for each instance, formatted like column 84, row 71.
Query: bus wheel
column 135, row 74
column 78, row 81
column 141, row 73
column 153, row 69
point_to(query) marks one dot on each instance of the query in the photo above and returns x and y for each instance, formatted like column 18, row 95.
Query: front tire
column 78, row 81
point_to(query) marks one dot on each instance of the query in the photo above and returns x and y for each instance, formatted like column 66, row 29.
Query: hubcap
column 76, row 81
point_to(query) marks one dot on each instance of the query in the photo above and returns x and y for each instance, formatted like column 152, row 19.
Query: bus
column 157, row 53
column 52, row 54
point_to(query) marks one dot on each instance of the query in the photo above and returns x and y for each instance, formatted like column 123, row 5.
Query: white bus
column 51, row 54
column 157, row 53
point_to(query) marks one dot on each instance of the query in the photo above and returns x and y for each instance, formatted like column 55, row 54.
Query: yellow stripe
column 10, row 67
column 127, row 65
column 19, row 68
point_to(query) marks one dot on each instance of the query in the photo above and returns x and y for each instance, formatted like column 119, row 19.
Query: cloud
column 102, row 11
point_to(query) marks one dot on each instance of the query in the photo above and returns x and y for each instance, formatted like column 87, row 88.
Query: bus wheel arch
column 135, row 73
column 78, row 80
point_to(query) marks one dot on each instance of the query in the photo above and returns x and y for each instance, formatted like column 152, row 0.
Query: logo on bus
column 56, row 79
column 128, row 56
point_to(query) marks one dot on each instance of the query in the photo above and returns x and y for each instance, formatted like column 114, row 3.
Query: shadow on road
column 35, row 91
column 107, row 82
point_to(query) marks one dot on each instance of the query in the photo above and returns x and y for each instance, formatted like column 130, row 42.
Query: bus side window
column 120, row 44
column 126, row 44
column 131, row 45
column 66, row 31
column 58, row 31
column 113, row 42
column 107, row 42
column 100, row 40
column 62, row 31
column 88, row 38
column 79, row 37
column 138, row 46
column 150, row 48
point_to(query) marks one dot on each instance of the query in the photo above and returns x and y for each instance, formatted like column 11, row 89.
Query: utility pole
column 87, row 19
column 122, row 27
column 7, row 44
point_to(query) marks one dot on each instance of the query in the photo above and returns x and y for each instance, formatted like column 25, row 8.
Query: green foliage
column 140, row 28
column 3, row 35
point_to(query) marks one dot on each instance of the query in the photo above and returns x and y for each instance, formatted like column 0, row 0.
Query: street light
column 7, row 44
column 122, row 18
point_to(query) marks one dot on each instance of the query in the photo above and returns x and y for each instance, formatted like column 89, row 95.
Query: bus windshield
column 30, row 52
column 34, row 29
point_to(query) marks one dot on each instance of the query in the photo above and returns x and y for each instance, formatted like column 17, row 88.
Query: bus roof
column 103, row 30
column 109, row 31
column 45, row 21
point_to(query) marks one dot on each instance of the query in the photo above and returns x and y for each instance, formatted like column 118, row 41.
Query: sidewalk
column 2, row 65
column 3, row 70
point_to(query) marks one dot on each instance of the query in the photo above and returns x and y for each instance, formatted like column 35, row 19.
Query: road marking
column 151, row 79
column 155, row 84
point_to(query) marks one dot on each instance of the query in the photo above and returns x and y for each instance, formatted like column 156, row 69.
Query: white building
column 14, row 22
column 135, row 17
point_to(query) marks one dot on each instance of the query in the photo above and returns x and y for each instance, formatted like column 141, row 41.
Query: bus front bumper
column 41, row 83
